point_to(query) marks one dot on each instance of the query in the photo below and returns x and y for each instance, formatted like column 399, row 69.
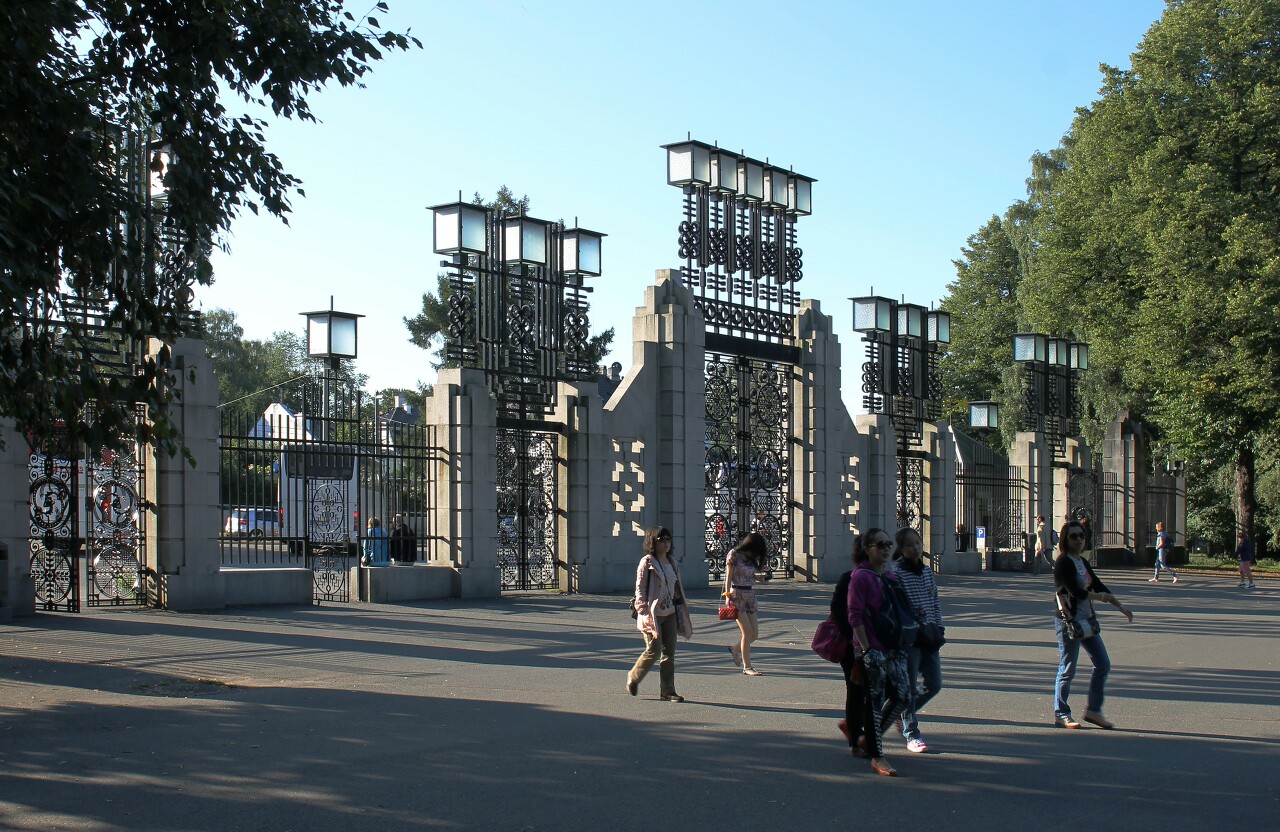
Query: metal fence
column 994, row 498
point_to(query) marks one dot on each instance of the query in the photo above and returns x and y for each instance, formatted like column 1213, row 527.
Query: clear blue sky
column 917, row 119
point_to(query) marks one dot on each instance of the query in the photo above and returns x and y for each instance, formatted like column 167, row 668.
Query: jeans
column 1069, row 655
column 926, row 663
column 886, row 684
column 1160, row 564
column 666, row 642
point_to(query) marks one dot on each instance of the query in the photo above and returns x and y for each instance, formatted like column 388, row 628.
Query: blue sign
column 980, row 536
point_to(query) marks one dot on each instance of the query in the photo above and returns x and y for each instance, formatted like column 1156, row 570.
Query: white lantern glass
column 318, row 335
column 871, row 314
column 1079, row 356
column 750, row 179
column 799, row 195
column 1028, row 346
column 910, row 320
column 459, row 227
column 724, row 172
column 525, row 241
column 580, row 251
column 688, row 163
column 342, row 336
column 940, row 327
column 775, row 187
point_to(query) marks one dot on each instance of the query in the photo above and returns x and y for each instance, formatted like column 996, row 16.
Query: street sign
column 980, row 536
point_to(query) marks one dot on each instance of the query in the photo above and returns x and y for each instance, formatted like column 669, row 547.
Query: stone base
column 390, row 584
column 477, row 582
column 187, row 592
column 1118, row 559
column 1008, row 562
column 961, row 563
column 257, row 587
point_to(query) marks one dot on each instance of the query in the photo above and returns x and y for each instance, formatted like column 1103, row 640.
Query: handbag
column 631, row 604
column 829, row 642
column 931, row 637
column 729, row 612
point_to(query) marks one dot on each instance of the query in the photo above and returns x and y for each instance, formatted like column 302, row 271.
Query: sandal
column 750, row 671
column 861, row 748
column 881, row 766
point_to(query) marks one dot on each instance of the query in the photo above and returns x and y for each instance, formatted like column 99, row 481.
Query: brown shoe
column 1099, row 720
column 881, row 766
column 1066, row 722
column 672, row 697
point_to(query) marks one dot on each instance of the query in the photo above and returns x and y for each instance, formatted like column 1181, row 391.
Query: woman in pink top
column 740, row 569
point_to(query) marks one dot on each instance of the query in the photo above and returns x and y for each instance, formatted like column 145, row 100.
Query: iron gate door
column 994, row 499
column 86, row 538
column 748, row 458
column 911, row 493
column 1082, row 496
column 527, row 517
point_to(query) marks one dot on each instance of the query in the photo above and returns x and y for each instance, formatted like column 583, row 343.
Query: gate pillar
column 182, row 515
column 939, row 497
column 879, row 501
column 466, row 502
column 15, row 519
column 1032, row 453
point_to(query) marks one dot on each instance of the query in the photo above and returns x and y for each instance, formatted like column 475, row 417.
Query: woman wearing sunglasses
column 741, row 566
column 661, row 613
column 1077, row 587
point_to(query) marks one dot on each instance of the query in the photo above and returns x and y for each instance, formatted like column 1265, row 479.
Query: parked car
column 252, row 522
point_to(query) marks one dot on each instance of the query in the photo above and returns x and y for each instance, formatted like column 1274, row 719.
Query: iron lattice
column 911, row 511
column 528, row 519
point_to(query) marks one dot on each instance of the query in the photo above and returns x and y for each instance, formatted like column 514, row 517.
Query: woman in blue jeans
column 922, row 592
column 1077, row 588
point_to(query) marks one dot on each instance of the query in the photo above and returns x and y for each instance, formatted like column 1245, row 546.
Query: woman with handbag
column 740, row 568
column 884, row 668
column 1077, row 587
column 859, row 724
column 923, row 659
column 661, row 613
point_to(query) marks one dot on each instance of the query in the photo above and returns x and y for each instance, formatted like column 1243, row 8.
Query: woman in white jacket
column 661, row 613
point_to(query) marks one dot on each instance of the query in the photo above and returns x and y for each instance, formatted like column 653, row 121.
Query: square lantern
column 984, row 415
column 1057, row 352
column 939, row 327
column 775, row 187
column 724, row 172
column 580, row 251
column 157, row 167
column 750, row 179
column 800, row 195
column 460, row 227
column 910, row 320
column 1078, row 356
column 331, row 334
column 524, row 240
column 1029, row 346
column 872, row 314
column 688, row 163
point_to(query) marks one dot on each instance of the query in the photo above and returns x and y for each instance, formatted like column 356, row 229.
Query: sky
column 918, row 119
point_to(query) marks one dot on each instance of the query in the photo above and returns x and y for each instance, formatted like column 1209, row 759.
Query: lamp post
column 1050, row 397
column 331, row 338
column 984, row 417
column 901, row 379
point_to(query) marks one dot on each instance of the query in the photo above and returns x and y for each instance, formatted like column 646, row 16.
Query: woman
column 922, row 592
column 1077, row 588
column 740, row 568
column 1244, row 551
column 661, row 613
column 857, row 707
column 884, row 670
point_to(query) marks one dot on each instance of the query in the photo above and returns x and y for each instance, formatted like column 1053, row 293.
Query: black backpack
column 894, row 624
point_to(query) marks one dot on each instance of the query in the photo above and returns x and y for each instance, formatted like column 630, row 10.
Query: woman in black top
column 859, row 720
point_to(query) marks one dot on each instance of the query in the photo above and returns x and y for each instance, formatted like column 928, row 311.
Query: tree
column 102, row 100
column 427, row 329
column 1160, row 241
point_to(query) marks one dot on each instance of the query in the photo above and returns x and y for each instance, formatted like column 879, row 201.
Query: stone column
column 18, row 589
column 183, row 557
column 879, row 473
column 466, row 503
column 589, row 503
column 1032, row 454
column 1124, row 457
column 940, row 494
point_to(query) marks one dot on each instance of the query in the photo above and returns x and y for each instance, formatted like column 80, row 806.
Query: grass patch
column 1228, row 563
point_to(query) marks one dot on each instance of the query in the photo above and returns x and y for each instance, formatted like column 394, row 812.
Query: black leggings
column 857, row 705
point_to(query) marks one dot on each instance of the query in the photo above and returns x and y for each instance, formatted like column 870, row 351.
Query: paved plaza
column 510, row 714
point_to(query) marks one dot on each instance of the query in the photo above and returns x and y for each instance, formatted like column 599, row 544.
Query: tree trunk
column 1245, row 502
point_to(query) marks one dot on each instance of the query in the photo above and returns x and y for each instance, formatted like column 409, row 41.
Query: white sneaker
column 1175, row 579
column 1253, row 586
column 1153, row 580
column 1241, row 584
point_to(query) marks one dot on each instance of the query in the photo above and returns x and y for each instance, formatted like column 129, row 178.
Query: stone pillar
column 183, row 558
column 15, row 520
column 940, row 493
column 588, row 492
column 466, row 503
column 1124, row 457
column 1032, row 454
column 821, row 530
column 879, row 473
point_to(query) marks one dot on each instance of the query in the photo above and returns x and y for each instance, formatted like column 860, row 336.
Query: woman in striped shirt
column 922, row 592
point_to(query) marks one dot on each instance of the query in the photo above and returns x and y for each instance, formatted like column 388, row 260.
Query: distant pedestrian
column 1088, row 533
column 659, row 602
column 923, row 660
column 404, row 542
column 376, row 548
column 741, row 567
column 1043, row 543
column 1077, row 587
column 1244, row 551
column 1163, row 548
column 962, row 538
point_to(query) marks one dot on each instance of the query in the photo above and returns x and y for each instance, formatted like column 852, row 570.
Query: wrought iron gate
column 87, row 536
column 1083, row 496
column 323, row 476
column 994, row 499
column 911, row 493
column 748, row 459
column 527, row 517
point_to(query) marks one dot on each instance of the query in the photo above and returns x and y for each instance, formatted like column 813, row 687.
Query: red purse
column 729, row 612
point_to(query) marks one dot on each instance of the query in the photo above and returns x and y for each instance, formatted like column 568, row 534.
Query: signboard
column 980, row 537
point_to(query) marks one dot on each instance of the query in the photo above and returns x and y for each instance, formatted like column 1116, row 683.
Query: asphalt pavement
column 511, row 714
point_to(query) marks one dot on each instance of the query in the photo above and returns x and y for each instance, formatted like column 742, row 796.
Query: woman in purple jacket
column 884, row 670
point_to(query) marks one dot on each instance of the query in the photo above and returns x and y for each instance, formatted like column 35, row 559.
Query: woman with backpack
column 740, row 569
column 923, row 658
column 859, row 724
column 884, row 666
column 1077, row 587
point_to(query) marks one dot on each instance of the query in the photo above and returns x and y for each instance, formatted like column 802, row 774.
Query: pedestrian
column 1163, row 547
column 1076, row 588
column 741, row 566
column 1042, row 538
column 376, row 550
column 1244, row 551
column 1088, row 533
column 661, row 613
column 962, row 538
column 884, row 669
column 923, row 658
column 404, row 543
column 859, row 724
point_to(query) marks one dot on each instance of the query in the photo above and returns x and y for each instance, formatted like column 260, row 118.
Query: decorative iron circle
column 461, row 315
column 329, row 571
column 794, row 266
column 51, row 573
column 744, row 252
column 718, row 246
column 115, row 505
column 688, row 240
column 328, row 513
column 520, row 320
column 769, row 259
column 576, row 332
column 50, row 503
column 115, row 572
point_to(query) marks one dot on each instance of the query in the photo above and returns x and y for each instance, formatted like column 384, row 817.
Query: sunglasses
column 881, row 544
column 665, row 537
column 1075, row 536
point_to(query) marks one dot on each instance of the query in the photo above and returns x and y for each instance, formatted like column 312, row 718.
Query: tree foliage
column 88, row 88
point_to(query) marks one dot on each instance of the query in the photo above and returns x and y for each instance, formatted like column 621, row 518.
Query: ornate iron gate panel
column 911, row 493
column 994, row 499
column 87, row 525
column 324, row 476
column 1082, row 496
column 748, row 458
column 527, row 517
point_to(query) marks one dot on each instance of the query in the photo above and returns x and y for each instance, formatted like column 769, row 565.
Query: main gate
column 87, row 536
column 1084, row 497
column 304, row 477
column 748, row 459
column 527, row 518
